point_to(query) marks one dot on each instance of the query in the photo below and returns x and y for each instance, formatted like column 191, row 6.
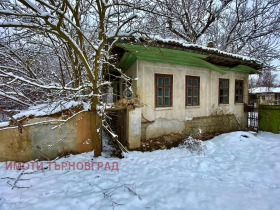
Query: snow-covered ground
column 237, row 171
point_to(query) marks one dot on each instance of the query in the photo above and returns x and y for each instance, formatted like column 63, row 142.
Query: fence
column 269, row 119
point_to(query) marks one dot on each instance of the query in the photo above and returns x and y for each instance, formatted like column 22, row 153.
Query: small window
column 192, row 90
column 163, row 90
column 277, row 98
column 238, row 91
column 223, row 91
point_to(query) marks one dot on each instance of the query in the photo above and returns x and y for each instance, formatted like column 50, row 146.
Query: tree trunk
column 96, row 128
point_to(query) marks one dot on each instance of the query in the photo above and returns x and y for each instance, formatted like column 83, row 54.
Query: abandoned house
column 174, row 91
column 183, row 89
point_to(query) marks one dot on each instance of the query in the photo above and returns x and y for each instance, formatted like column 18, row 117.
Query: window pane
column 167, row 101
column 221, row 84
column 189, row 100
column 159, row 101
column 160, row 92
column 195, row 92
column 195, row 82
column 159, row 81
column 236, row 98
column 190, row 92
column 226, row 99
column 167, row 81
column 189, row 82
column 167, row 92
column 195, row 100
column 226, row 83
column 226, row 92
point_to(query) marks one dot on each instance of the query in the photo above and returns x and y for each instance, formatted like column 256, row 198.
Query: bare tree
column 248, row 27
column 236, row 26
column 60, row 49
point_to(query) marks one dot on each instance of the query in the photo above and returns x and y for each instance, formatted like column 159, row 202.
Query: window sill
column 192, row 107
column 163, row 108
column 223, row 104
column 239, row 103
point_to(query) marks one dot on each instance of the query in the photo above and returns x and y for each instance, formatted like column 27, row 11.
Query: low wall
column 211, row 124
column 46, row 140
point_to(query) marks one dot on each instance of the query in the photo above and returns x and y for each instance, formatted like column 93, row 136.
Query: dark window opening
column 239, row 91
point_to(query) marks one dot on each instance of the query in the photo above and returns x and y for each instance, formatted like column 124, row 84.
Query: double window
column 223, row 91
column 192, row 91
column 163, row 89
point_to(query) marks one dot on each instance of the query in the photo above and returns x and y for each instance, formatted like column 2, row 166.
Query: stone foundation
column 195, row 127
column 211, row 124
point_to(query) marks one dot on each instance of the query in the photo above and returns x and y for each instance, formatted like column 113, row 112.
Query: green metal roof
column 179, row 57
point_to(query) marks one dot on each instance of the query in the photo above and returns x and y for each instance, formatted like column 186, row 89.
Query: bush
column 193, row 145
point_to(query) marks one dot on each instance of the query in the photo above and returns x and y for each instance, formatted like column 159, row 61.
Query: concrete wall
column 160, row 121
column 134, row 128
column 47, row 140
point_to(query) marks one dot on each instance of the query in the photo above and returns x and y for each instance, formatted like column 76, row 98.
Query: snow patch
column 237, row 170
column 265, row 90
column 49, row 109
column 188, row 118
column 4, row 124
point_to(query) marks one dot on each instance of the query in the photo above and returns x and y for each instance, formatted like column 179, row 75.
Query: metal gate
column 253, row 113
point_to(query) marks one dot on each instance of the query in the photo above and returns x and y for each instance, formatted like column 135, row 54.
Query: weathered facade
column 186, row 98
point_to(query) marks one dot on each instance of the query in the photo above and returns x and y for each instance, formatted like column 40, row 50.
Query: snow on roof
column 265, row 90
column 49, row 109
column 52, row 108
column 190, row 45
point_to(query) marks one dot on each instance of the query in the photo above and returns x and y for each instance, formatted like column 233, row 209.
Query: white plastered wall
column 171, row 119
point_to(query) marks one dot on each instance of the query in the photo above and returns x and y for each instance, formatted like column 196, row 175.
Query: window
column 277, row 98
column 223, row 91
column 163, row 90
column 192, row 90
column 238, row 91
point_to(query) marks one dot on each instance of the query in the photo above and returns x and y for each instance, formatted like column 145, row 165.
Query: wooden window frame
column 219, row 99
column 164, row 87
column 186, row 90
column 235, row 89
